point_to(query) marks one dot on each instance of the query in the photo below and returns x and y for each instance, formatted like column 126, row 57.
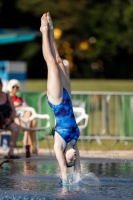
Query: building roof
column 8, row 36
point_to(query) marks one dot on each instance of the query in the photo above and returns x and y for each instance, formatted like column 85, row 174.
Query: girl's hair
column 69, row 165
column 0, row 81
column 12, row 83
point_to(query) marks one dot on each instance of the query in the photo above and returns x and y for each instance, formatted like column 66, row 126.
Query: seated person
column 13, row 87
column 7, row 115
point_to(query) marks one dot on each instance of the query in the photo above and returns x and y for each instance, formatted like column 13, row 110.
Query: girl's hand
column 17, row 104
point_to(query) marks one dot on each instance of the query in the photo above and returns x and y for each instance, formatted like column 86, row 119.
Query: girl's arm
column 77, row 167
column 62, row 163
column 13, row 113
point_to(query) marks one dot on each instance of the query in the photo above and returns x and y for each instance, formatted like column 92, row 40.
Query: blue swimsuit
column 66, row 125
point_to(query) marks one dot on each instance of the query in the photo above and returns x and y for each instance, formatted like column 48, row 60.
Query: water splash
column 84, row 179
column 72, row 179
column 89, row 179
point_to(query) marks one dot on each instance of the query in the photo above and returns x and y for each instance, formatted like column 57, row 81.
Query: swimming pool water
column 39, row 179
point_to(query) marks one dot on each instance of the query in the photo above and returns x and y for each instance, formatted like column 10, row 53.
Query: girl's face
column 70, row 156
column 15, row 89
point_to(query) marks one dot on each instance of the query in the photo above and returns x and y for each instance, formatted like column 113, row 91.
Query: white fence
column 110, row 114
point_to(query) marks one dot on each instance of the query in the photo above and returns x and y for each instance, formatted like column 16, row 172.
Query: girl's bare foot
column 50, row 22
column 44, row 23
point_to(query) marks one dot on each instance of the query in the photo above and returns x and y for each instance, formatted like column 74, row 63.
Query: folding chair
column 82, row 120
column 34, row 115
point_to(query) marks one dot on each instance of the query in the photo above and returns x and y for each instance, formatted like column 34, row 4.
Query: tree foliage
column 97, row 35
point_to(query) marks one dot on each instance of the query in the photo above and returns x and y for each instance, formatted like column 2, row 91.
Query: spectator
column 7, row 115
column 13, row 87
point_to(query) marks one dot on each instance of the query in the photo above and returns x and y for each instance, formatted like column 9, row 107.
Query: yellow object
column 57, row 33
column 83, row 46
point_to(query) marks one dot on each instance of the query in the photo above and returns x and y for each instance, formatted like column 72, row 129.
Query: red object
column 17, row 99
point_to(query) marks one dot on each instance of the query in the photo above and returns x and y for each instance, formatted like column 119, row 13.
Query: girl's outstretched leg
column 64, row 78
column 54, row 84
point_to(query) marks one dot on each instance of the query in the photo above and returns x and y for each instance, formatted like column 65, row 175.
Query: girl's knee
column 14, row 128
column 59, row 60
column 51, row 61
column 33, row 124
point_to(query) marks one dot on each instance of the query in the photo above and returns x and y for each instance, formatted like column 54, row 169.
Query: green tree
column 96, row 35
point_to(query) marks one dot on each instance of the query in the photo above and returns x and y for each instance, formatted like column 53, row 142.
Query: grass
column 86, row 85
column 89, row 85
column 91, row 146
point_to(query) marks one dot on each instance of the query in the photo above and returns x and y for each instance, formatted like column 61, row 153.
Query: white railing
column 110, row 114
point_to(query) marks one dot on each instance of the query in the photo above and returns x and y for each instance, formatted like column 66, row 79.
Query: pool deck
column 90, row 156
